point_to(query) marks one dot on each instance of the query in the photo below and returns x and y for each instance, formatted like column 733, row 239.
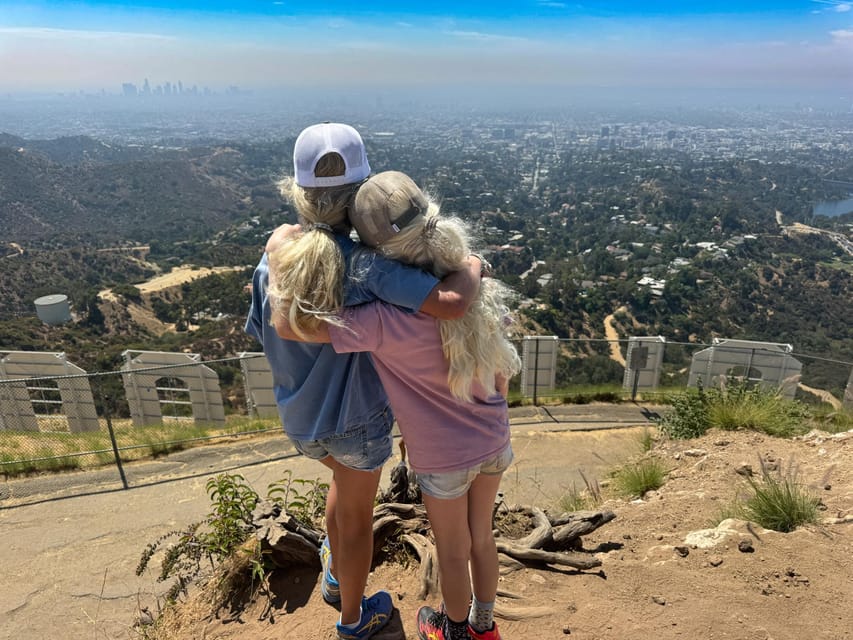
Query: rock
column 745, row 470
column 682, row 550
column 745, row 546
column 659, row 600
column 695, row 453
column 715, row 561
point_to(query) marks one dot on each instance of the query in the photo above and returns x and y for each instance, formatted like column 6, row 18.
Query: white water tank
column 53, row 309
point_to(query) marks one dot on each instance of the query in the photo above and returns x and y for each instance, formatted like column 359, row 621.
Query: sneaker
column 491, row 634
column 431, row 623
column 328, row 585
column 375, row 613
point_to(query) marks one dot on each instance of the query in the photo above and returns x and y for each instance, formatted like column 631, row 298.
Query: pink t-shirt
column 442, row 432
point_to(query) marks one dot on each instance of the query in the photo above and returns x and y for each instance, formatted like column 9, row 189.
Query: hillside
column 668, row 569
column 627, row 241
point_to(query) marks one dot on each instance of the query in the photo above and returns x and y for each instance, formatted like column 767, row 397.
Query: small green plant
column 303, row 499
column 647, row 440
column 230, row 522
column 224, row 537
column 636, row 478
column 778, row 501
column 213, row 539
column 688, row 417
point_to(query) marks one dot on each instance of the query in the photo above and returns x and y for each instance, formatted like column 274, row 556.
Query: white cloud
column 479, row 35
column 842, row 36
column 76, row 34
column 839, row 6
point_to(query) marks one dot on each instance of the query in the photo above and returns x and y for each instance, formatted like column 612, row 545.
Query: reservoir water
column 833, row 209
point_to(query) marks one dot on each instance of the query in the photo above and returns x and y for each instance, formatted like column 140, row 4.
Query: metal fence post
column 536, row 374
column 116, row 454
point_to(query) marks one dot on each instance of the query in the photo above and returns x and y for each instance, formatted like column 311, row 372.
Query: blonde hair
column 475, row 345
column 307, row 269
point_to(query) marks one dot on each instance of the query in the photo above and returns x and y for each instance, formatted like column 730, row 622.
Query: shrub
column 636, row 478
column 777, row 501
column 734, row 406
column 688, row 417
column 744, row 406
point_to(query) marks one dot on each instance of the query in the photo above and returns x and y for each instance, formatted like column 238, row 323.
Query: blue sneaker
column 328, row 585
column 375, row 613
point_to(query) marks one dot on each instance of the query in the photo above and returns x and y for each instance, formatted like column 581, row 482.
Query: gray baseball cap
column 385, row 205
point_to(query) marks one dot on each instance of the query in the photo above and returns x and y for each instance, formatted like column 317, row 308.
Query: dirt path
column 826, row 396
column 177, row 276
column 180, row 275
column 613, row 337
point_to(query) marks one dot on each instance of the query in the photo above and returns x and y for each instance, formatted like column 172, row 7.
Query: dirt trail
column 613, row 337
column 826, row 396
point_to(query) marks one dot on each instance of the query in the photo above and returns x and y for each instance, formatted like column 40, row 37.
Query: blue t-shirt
column 321, row 393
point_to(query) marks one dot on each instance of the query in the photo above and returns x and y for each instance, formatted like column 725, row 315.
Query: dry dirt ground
column 657, row 578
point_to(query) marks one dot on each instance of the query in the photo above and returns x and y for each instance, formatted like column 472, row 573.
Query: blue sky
column 97, row 44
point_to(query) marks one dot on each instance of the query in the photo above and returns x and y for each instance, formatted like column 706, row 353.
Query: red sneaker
column 431, row 624
column 491, row 634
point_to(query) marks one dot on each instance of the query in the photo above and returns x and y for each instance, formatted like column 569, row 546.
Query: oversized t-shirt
column 442, row 432
column 320, row 393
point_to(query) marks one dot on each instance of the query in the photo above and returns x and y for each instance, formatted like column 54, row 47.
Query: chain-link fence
column 65, row 430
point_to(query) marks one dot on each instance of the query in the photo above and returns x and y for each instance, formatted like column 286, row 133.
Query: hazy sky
column 98, row 44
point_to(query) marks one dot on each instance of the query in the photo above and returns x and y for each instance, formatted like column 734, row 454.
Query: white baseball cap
column 329, row 137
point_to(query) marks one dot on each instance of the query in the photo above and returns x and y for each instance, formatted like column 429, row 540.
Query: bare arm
column 282, row 328
column 502, row 384
column 451, row 297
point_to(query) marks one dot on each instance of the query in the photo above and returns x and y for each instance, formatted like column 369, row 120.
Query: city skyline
column 99, row 44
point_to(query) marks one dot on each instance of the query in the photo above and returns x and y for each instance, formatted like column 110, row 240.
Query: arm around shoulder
column 451, row 297
column 284, row 331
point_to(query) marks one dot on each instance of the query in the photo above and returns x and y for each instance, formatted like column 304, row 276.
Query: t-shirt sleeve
column 363, row 330
column 399, row 284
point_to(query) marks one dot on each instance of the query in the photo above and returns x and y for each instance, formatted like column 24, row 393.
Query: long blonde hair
column 475, row 345
column 307, row 269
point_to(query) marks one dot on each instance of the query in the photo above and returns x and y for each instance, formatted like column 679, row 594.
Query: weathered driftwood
column 425, row 551
column 525, row 554
column 554, row 540
column 509, row 565
column 559, row 533
column 394, row 520
column 403, row 488
column 284, row 539
column 541, row 534
column 569, row 527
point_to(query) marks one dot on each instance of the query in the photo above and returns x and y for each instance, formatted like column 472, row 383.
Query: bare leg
column 350, row 525
column 484, row 554
column 449, row 522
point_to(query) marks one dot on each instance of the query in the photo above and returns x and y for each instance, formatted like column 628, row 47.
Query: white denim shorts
column 453, row 484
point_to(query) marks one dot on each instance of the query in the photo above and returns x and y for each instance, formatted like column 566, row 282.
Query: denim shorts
column 364, row 448
column 453, row 484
